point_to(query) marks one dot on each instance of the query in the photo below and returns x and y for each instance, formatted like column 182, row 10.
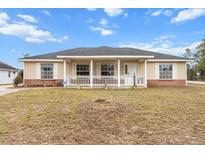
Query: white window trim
column 159, row 70
column 111, row 63
column 82, row 64
column 53, row 71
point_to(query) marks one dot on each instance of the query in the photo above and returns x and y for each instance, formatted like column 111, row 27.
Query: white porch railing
column 78, row 80
column 137, row 80
column 102, row 81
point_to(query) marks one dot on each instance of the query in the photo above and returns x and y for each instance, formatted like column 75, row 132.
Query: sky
column 38, row 31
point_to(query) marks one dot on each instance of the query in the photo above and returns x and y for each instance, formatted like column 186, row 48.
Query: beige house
column 105, row 66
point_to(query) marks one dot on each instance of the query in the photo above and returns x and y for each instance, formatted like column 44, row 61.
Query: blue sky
column 37, row 31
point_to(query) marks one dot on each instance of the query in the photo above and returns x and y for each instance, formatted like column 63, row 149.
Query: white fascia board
column 168, row 60
column 12, row 70
column 108, row 56
column 41, row 60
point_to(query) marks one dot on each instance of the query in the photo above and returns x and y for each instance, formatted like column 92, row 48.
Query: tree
column 188, row 53
column 191, row 69
column 199, row 57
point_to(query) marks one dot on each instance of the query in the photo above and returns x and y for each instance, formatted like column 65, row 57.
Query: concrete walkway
column 6, row 89
column 196, row 82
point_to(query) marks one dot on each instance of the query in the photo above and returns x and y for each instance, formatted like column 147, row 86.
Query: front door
column 130, row 70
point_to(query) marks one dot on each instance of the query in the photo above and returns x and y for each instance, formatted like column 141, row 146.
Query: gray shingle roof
column 103, row 51
column 6, row 66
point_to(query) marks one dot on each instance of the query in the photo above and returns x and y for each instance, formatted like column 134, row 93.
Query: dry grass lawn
column 68, row 116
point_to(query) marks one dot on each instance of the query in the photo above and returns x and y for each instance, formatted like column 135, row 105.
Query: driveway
column 6, row 89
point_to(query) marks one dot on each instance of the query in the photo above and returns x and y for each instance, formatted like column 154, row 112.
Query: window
column 165, row 71
column 82, row 69
column 46, row 71
column 9, row 74
column 126, row 69
column 107, row 69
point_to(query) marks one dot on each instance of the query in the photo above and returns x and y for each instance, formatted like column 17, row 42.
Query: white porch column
column 118, row 72
column 64, row 73
column 145, row 73
column 91, row 73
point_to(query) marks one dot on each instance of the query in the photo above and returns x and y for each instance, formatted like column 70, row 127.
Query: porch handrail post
column 64, row 73
column 145, row 73
column 118, row 72
column 91, row 73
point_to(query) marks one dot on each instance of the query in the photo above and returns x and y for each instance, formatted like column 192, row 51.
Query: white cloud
column 103, row 27
column 103, row 31
column 157, row 12
column 165, row 37
column 3, row 18
column 161, row 44
column 113, row 12
column 125, row 15
column 46, row 12
column 200, row 32
column 65, row 37
column 103, row 22
column 27, row 18
column 187, row 14
column 168, row 13
column 160, row 12
column 67, row 16
column 91, row 9
column 28, row 32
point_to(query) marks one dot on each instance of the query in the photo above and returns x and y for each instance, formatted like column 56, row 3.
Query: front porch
column 103, row 81
column 105, row 73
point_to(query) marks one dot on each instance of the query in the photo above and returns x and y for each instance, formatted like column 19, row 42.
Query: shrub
column 19, row 79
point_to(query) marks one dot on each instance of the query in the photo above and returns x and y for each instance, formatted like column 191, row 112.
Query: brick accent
column 153, row 83
column 42, row 83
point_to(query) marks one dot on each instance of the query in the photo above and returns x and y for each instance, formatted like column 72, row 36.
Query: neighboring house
column 7, row 73
column 105, row 66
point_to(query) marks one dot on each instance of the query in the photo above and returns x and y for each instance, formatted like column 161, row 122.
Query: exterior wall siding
column 4, row 76
column 141, row 68
column 60, row 70
column 30, row 72
column 181, row 71
column 150, row 70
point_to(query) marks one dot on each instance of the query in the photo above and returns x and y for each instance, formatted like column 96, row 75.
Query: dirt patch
column 101, row 101
column 106, row 122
